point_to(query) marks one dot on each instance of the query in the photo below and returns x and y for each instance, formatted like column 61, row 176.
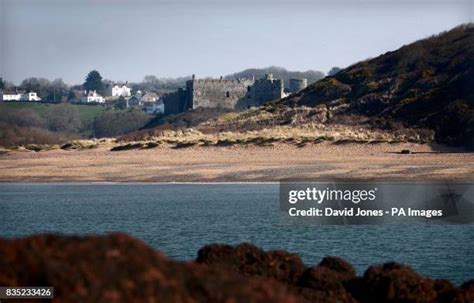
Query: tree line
column 59, row 123
column 58, row 91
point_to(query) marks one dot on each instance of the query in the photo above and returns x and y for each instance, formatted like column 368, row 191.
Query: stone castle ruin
column 297, row 85
column 238, row 94
column 219, row 93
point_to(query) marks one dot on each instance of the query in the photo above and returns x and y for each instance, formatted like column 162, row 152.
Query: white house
column 31, row 96
column 118, row 90
column 93, row 97
column 20, row 96
column 150, row 97
column 155, row 108
column 11, row 96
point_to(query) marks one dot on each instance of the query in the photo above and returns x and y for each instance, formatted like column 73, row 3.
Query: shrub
column 115, row 123
column 63, row 117
column 23, row 117
column 12, row 135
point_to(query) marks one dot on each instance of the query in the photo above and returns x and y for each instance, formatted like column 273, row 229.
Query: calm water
column 178, row 219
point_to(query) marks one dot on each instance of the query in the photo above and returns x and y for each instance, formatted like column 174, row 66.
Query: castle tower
column 297, row 85
column 269, row 76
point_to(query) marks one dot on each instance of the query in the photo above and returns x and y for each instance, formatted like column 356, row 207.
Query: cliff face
column 118, row 268
column 429, row 84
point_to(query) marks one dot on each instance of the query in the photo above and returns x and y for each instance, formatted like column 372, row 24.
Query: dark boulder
column 393, row 282
column 466, row 293
column 340, row 266
column 326, row 282
column 445, row 291
column 250, row 260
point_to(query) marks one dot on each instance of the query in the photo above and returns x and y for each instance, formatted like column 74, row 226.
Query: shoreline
column 141, row 183
column 321, row 162
column 276, row 183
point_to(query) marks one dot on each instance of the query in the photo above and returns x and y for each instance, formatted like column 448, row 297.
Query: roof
column 120, row 85
column 13, row 92
column 93, row 94
column 151, row 95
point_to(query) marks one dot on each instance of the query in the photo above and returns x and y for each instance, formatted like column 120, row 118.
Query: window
column 227, row 94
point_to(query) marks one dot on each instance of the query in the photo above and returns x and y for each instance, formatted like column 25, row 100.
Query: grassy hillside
column 23, row 123
column 87, row 113
column 429, row 84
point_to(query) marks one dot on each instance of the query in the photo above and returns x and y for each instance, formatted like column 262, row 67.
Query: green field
column 23, row 123
column 87, row 112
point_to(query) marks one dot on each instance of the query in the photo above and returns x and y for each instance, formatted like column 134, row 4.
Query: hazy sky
column 126, row 40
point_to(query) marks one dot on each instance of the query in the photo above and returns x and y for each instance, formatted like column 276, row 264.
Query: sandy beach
column 324, row 161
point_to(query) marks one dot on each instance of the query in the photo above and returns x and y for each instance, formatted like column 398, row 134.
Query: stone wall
column 266, row 89
column 176, row 102
column 297, row 85
column 237, row 94
column 218, row 93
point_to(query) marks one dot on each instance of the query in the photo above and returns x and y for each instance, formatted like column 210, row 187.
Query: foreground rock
column 249, row 260
column 118, row 268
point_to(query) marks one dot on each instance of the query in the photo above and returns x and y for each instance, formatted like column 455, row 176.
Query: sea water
column 178, row 219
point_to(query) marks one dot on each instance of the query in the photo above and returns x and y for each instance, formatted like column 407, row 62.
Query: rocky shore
column 119, row 268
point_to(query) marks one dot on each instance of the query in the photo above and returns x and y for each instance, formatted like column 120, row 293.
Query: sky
column 127, row 39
